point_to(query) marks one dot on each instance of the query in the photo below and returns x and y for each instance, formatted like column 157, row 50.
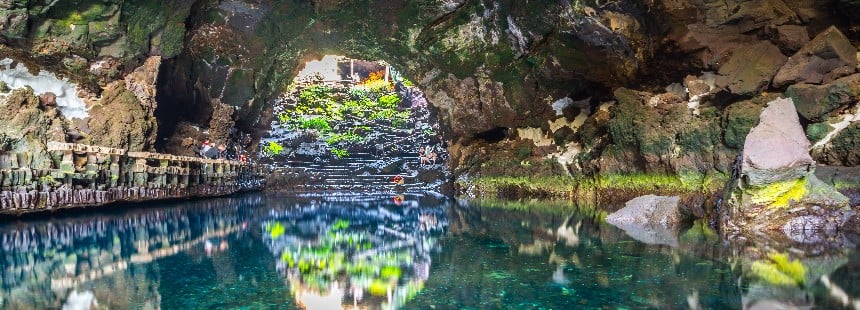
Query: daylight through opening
column 354, row 125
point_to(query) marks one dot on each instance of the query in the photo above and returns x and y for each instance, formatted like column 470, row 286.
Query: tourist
column 398, row 180
column 211, row 152
column 422, row 156
column 204, row 148
column 222, row 151
column 432, row 156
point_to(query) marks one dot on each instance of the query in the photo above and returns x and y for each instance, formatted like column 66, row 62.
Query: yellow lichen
column 779, row 194
column 779, row 270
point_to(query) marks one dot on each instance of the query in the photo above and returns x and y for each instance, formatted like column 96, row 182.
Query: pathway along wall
column 86, row 175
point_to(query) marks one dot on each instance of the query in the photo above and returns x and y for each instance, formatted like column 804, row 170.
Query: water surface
column 260, row 251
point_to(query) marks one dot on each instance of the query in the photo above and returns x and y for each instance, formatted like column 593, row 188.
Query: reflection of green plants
column 273, row 148
column 275, row 230
column 340, row 153
column 340, row 224
column 700, row 232
column 779, row 270
column 429, row 132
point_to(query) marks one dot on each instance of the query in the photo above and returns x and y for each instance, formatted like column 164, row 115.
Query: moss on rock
column 739, row 119
column 780, row 194
column 121, row 121
column 817, row 131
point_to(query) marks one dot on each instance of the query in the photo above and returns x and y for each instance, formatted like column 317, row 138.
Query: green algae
column 779, row 194
column 779, row 270
column 568, row 187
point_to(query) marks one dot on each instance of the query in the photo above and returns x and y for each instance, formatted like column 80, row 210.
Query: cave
column 429, row 154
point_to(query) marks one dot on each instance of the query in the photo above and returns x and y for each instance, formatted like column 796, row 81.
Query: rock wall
column 660, row 86
column 81, row 175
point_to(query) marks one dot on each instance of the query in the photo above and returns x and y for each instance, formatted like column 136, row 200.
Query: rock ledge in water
column 651, row 219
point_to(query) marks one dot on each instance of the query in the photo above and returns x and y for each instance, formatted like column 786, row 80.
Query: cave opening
column 354, row 125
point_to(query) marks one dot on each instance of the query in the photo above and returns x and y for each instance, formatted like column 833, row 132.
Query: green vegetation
column 779, row 194
column 389, row 100
column 341, row 137
column 327, row 109
column 779, row 270
column 340, row 153
column 47, row 180
column 589, row 190
column 273, row 148
column 316, row 123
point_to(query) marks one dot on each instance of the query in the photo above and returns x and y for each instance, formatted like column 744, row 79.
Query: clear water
column 261, row 251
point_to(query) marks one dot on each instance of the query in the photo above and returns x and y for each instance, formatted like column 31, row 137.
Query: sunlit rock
column 44, row 82
column 776, row 149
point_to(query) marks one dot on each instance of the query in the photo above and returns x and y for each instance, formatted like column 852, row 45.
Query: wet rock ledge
column 84, row 175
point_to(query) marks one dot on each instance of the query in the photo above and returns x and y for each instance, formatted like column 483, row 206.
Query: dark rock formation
column 827, row 57
column 486, row 66
column 750, row 68
column 815, row 102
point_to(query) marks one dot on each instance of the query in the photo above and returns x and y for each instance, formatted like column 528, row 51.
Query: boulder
column 843, row 149
column 750, row 68
column 696, row 86
column 651, row 219
column 814, row 102
column 777, row 148
column 791, row 37
column 48, row 99
column 827, row 57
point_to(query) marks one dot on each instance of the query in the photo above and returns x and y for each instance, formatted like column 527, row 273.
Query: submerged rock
column 651, row 219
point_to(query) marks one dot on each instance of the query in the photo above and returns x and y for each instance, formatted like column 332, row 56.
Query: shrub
column 340, row 153
column 349, row 137
column 318, row 123
column 389, row 100
column 315, row 95
column 273, row 148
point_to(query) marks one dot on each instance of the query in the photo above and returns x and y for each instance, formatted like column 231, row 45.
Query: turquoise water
column 259, row 251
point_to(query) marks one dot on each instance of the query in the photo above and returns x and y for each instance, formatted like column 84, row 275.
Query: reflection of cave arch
column 376, row 254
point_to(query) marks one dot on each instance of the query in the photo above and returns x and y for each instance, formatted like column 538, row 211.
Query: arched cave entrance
column 351, row 125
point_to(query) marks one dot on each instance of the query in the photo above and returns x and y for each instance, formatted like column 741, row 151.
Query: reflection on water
column 259, row 251
column 345, row 254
